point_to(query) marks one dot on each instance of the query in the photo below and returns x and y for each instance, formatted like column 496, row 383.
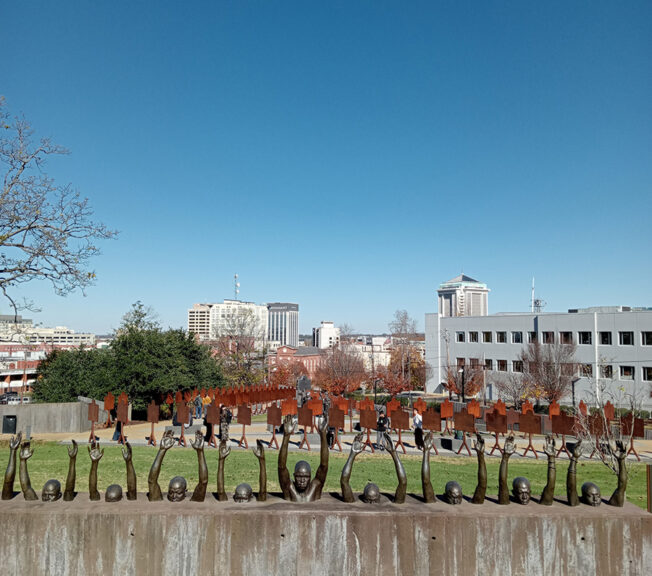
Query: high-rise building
column 463, row 296
column 326, row 336
column 283, row 323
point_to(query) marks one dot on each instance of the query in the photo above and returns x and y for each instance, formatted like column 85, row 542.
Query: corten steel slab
column 400, row 420
column 431, row 420
column 152, row 412
column 336, row 418
column 325, row 537
column 244, row 415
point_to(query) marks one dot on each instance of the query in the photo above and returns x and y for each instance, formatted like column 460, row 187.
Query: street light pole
column 461, row 370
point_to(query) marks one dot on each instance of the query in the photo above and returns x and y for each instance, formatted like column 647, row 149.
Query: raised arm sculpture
column 132, row 493
column 69, row 492
column 571, row 476
column 426, row 484
column 154, row 494
column 481, row 488
column 618, row 497
column 549, row 491
column 225, row 450
column 10, row 474
column 399, row 496
column 503, row 489
column 96, row 455
column 25, row 484
column 303, row 489
column 199, row 494
column 356, row 448
column 259, row 452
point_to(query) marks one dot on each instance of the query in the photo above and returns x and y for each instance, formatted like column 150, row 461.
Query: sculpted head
column 371, row 494
column 591, row 494
column 302, row 474
column 243, row 493
column 453, row 492
column 113, row 493
column 51, row 491
column 177, row 489
column 521, row 490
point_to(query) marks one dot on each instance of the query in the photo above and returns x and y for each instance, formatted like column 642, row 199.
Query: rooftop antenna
column 236, row 287
column 537, row 304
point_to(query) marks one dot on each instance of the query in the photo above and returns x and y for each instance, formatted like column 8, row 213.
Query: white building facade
column 326, row 336
column 283, row 324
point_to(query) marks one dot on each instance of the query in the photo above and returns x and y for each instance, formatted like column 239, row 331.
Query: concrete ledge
column 327, row 537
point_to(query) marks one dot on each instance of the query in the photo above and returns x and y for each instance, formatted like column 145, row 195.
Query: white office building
column 283, row 324
column 326, row 336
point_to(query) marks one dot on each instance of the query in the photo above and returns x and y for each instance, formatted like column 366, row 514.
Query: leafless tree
column 511, row 387
column 548, row 369
column 46, row 229
column 341, row 370
column 403, row 329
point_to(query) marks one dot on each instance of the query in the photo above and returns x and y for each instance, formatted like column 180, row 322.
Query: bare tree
column 341, row 370
column 403, row 329
column 548, row 369
column 46, row 229
column 511, row 387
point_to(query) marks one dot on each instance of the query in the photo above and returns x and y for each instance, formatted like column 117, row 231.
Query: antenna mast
column 236, row 287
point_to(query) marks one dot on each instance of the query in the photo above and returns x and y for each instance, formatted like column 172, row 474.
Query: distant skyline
column 349, row 157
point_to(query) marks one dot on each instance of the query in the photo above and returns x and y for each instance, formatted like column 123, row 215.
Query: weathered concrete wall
column 46, row 418
column 328, row 537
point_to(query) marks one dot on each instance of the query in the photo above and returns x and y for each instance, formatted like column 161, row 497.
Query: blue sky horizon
column 349, row 157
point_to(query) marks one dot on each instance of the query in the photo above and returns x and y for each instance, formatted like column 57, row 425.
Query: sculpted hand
column 427, row 442
column 577, row 450
column 357, row 445
column 549, row 447
column 25, row 452
column 389, row 445
column 621, row 451
column 509, row 448
column 167, row 441
column 288, row 425
column 95, row 452
column 126, row 452
column 225, row 450
column 259, row 450
column 198, row 444
column 14, row 443
column 478, row 444
column 322, row 424
column 72, row 450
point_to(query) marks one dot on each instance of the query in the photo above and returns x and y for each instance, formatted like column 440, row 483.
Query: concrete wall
column 327, row 537
column 51, row 418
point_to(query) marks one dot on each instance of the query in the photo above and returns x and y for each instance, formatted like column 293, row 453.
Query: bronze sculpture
column 243, row 493
column 23, row 474
column 113, row 493
column 399, row 495
column 521, row 490
column 259, row 452
column 177, row 489
column 618, row 497
column 481, row 488
column 356, row 448
column 591, row 494
column 51, row 491
column 96, row 455
column 132, row 493
column 426, row 485
column 10, row 474
column 69, row 492
column 302, row 489
column 199, row 493
column 571, row 477
column 224, row 450
column 453, row 493
column 503, row 490
column 154, row 494
column 548, row 493
column 371, row 494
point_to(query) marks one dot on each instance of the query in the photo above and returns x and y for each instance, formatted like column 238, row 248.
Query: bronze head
column 177, row 489
column 453, row 493
column 591, row 494
column 113, row 493
column 371, row 494
column 51, row 491
column 302, row 474
column 243, row 493
column 521, row 490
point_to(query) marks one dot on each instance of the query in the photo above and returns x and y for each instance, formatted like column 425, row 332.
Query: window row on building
column 625, row 338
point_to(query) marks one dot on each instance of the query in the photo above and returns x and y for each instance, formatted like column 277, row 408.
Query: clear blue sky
column 347, row 156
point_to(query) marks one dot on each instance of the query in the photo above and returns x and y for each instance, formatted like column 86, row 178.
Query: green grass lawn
column 50, row 460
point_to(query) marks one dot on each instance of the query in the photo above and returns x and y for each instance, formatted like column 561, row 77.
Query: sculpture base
column 325, row 537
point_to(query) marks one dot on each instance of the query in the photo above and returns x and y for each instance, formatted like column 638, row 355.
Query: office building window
column 626, row 338
column 627, row 372
column 475, row 362
column 473, row 336
column 566, row 337
column 548, row 337
column 517, row 337
column 460, row 362
column 501, row 365
column 647, row 373
column 646, row 338
column 586, row 370
column 487, row 337
column 531, row 337
column 488, row 364
column 459, row 337
column 605, row 338
column 501, row 337
column 584, row 337
column 606, row 371
column 517, row 366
